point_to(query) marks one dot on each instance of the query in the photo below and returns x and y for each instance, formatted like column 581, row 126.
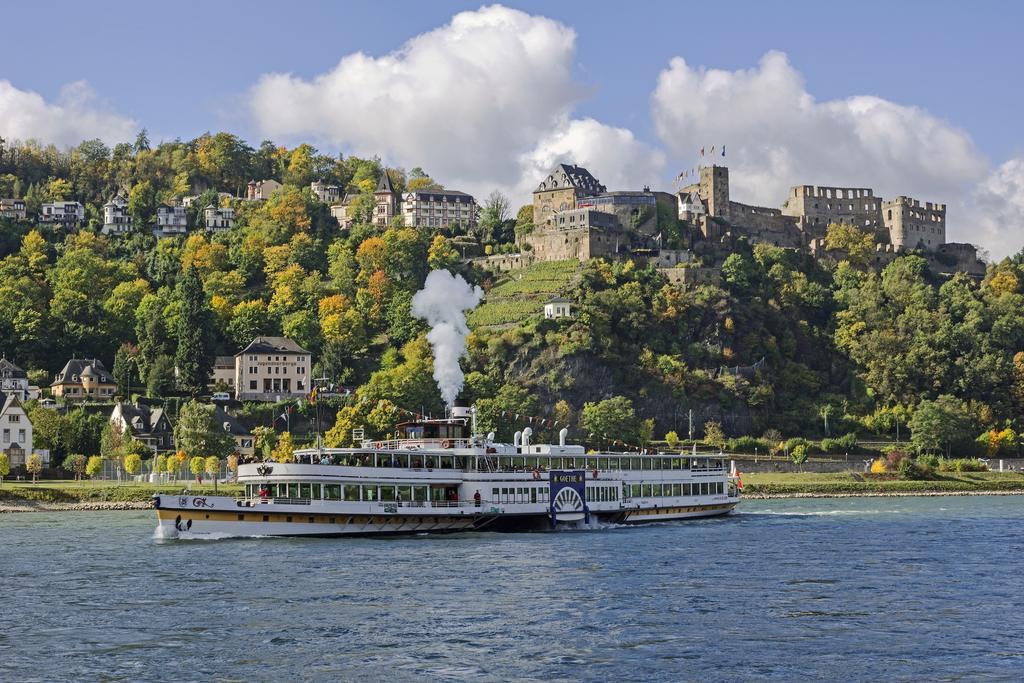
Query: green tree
column 160, row 378
column 132, row 463
column 441, row 255
column 284, row 451
column 94, row 466
column 858, row 244
column 75, row 464
column 264, row 440
column 212, row 467
column 941, row 424
column 612, row 419
column 197, row 433
column 673, row 441
column 713, row 434
column 196, row 465
column 194, row 357
column 34, row 465
column 142, row 204
column 126, row 371
column 5, row 467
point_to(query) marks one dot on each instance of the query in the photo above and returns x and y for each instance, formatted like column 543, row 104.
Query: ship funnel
column 461, row 409
column 527, row 433
column 561, row 436
column 517, row 439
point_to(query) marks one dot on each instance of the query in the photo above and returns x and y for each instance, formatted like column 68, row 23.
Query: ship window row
column 519, row 494
column 711, row 488
column 525, row 463
column 352, row 492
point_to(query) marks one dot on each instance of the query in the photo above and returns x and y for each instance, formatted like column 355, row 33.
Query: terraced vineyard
column 521, row 293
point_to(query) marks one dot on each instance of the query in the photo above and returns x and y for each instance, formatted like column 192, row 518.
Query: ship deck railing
column 396, row 503
column 414, row 444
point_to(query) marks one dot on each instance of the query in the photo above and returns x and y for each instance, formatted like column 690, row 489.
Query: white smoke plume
column 443, row 302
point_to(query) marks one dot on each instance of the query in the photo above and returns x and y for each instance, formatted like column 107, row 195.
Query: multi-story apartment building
column 258, row 190
column 445, row 209
column 13, row 208
column 328, row 194
column 66, row 214
column 272, row 368
column 84, row 380
column 217, row 218
column 171, row 220
column 116, row 220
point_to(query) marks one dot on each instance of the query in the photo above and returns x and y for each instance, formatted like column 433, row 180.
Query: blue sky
column 177, row 67
column 183, row 68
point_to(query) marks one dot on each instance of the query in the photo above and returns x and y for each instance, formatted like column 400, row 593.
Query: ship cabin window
column 351, row 491
column 369, row 493
column 306, row 490
column 332, row 491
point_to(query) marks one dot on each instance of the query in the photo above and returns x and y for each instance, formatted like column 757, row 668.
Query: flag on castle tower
column 712, row 149
column 702, row 151
column 723, row 150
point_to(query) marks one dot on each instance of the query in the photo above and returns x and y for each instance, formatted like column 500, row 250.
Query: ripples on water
column 911, row 588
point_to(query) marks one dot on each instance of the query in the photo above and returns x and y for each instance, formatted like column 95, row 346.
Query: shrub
column 959, row 465
column 799, row 454
column 792, row 444
column 929, row 461
column 746, row 444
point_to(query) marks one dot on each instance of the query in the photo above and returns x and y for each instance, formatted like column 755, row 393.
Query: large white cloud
column 472, row 102
column 998, row 204
column 614, row 155
column 778, row 135
column 75, row 116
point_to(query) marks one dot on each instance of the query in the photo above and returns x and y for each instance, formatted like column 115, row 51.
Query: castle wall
column 816, row 207
column 549, row 201
column 912, row 225
column 578, row 234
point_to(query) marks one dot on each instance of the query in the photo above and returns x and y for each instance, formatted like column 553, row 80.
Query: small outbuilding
column 558, row 308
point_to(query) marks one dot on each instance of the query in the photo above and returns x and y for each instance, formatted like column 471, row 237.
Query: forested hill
column 785, row 344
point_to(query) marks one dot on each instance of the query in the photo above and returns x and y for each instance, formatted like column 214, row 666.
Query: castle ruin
column 575, row 216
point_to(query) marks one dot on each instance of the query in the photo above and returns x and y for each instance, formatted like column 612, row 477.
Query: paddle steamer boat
column 438, row 475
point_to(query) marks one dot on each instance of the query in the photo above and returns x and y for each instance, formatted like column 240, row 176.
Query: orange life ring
column 446, row 444
column 379, row 445
column 595, row 474
column 536, row 474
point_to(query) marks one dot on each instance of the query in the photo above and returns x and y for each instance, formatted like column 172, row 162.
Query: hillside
column 519, row 296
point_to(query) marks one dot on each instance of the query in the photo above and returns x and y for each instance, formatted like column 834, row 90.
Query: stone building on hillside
column 561, row 191
column 388, row 201
column 575, row 216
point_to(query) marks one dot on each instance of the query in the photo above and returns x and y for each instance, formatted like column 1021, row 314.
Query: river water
column 843, row 589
